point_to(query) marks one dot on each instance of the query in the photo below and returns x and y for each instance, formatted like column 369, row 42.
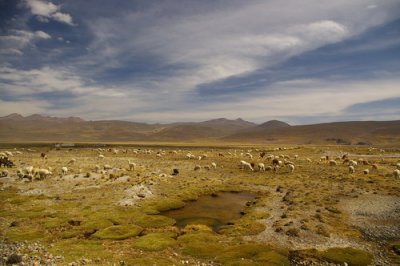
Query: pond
column 213, row 210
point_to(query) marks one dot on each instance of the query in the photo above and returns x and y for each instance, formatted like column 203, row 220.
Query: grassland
column 318, row 214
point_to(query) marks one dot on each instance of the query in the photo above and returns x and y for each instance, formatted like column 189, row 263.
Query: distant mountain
column 15, row 127
column 44, row 128
column 274, row 124
column 355, row 132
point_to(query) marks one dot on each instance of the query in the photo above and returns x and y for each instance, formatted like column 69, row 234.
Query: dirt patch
column 377, row 216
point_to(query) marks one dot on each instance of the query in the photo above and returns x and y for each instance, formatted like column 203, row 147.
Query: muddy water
column 212, row 210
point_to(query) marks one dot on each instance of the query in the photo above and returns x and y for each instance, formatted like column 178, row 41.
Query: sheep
column 249, row 155
column 244, row 165
column 73, row 160
column 43, row 173
column 107, row 167
column 275, row 161
column 101, row 156
column 4, row 173
column 8, row 153
column 375, row 166
column 28, row 170
column 175, row 171
column 268, row 168
column 261, row 167
column 132, row 165
column 353, row 163
column 398, row 165
column 203, row 156
column 296, row 156
column 197, row 167
column 332, row 163
column 291, row 168
column 207, row 167
column 366, row 171
column 351, row 169
column 190, row 156
column 214, row 165
column 396, row 173
column 64, row 170
column 96, row 168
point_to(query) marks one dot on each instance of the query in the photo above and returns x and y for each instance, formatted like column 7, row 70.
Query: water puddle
column 212, row 210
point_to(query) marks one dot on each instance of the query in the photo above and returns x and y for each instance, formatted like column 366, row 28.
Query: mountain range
column 17, row 128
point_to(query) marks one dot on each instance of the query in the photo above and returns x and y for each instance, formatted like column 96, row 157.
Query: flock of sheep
column 247, row 161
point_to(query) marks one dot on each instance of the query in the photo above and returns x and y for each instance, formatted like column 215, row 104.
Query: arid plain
column 106, row 204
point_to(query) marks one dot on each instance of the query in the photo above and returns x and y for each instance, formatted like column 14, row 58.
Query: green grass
column 73, row 249
column 201, row 244
column 352, row 257
column 118, row 232
column 155, row 241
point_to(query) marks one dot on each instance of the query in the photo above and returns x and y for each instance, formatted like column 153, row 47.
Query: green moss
column 155, row 241
column 24, row 233
column 352, row 257
column 252, row 254
column 273, row 258
column 97, row 224
column 118, row 232
column 201, row 244
column 150, row 261
column 73, row 249
column 154, row 221
column 168, row 204
column 247, row 251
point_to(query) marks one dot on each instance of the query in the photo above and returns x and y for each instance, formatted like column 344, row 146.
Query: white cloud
column 41, row 8
column 42, row 35
column 63, row 17
column 30, row 82
column 45, row 10
column 14, row 43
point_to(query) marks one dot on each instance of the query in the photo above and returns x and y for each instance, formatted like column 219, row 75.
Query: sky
column 302, row 62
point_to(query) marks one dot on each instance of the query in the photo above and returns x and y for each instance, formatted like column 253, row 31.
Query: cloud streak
column 175, row 60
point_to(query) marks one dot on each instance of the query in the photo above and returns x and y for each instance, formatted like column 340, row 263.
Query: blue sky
column 302, row 62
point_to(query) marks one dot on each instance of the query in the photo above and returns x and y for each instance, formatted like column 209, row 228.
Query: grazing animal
column 261, row 167
column 214, row 165
column 132, row 165
column 4, row 161
column 352, row 169
column 332, row 163
column 64, row 170
column 396, row 173
column 291, row 168
column 366, row 171
column 175, row 171
column 197, row 167
column 43, row 173
column 73, row 160
column 244, row 165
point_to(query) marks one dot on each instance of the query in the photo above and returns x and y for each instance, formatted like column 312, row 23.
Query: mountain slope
column 43, row 128
column 355, row 132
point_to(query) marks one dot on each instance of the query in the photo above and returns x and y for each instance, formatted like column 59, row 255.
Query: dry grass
column 293, row 211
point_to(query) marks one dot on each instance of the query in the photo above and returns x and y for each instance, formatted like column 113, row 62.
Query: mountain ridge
column 15, row 127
